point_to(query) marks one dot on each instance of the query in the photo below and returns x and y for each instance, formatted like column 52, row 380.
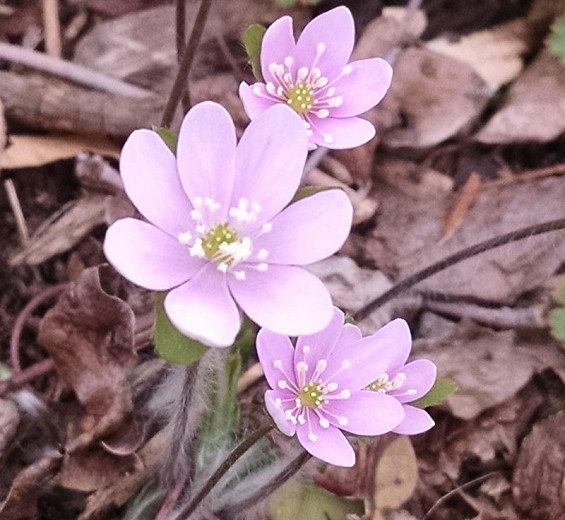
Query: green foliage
column 297, row 500
column 441, row 389
column 252, row 40
column 308, row 191
column 171, row 345
column 556, row 40
column 557, row 316
column 170, row 137
column 289, row 3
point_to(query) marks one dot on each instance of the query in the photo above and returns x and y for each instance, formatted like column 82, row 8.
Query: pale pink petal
column 276, row 354
column 319, row 345
column 203, row 309
column 338, row 133
column 416, row 421
column 285, row 299
column 147, row 256
column 269, row 161
column 277, row 413
column 336, row 31
column 330, row 445
column 309, row 230
column 278, row 43
column 420, row 377
column 252, row 103
column 367, row 413
column 149, row 171
column 206, row 152
column 363, row 87
column 349, row 335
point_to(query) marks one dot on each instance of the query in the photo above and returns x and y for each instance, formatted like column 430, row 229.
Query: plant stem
column 263, row 492
column 179, row 85
column 180, row 19
column 513, row 236
column 231, row 459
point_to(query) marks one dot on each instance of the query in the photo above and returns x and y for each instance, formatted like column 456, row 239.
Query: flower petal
column 330, row 445
column 349, row 335
column 320, row 345
column 309, row 230
column 363, row 87
column 336, row 30
column 367, row 413
column 269, row 160
column 337, row 133
column 274, row 350
column 206, row 152
column 278, row 43
column 151, row 181
column 147, row 256
column 252, row 103
column 285, row 299
column 278, row 415
column 203, row 309
column 416, row 421
column 420, row 377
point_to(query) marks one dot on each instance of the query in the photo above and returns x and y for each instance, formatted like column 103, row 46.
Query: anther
column 324, row 423
column 282, row 384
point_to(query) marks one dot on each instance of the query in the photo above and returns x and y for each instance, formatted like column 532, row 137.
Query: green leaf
column 308, row 191
column 287, row 3
column 556, row 40
column 297, row 500
column 557, row 323
column 441, row 389
column 172, row 345
column 560, row 295
column 252, row 39
column 170, row 137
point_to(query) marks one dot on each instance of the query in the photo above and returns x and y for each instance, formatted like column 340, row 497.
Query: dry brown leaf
column 461, row 208
column 534, row 109
column 405, row 239
column 89, row 336
column 396, row 477
column 496, row 54
column 9, row 421
column 438, row 96
column 27, row 151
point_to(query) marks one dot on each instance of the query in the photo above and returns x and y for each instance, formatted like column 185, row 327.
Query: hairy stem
column 179, row 85
column 263, row 492
column 231, row 459
column 492, row 243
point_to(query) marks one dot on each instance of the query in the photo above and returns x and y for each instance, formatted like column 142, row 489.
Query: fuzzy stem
column 186, row 62
column 262, row 493
column 513, row 236
column 231, row 459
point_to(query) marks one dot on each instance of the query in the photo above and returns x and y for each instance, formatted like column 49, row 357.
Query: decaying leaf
column 534, row 109
column 27, row 151
column 496, row 54
column 396, row 476
column 89, row 336
column 406, row 237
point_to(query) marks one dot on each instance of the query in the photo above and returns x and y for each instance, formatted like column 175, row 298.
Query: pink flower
column 319, row 388
column 220, row 232
column 312, row 77
column 405, row 382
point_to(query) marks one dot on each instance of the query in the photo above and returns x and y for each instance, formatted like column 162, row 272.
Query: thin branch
column 537, row 229
column 180, row 19
column 52, row 28
column 231, row 459
column 71, row 71
column 179, row 85
column 16, row 207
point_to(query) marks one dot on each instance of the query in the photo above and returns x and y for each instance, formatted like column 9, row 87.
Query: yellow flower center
column 311, row 395
column 216, row 237
column 300, row 98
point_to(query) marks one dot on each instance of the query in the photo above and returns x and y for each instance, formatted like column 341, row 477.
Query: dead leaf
column 2, row 133
column 461, row 207
column 89, row 336
column 436, row 97
column 540, row 470
column 488, row 367
column 495, row 54
column 9, row 421
column 405, row 239
column 28, row 151
column 396, row 477
column 534, row 108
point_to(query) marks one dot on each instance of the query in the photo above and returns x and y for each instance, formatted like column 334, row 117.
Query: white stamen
column 320, row 48
column 331, row 387
column 196, row 249
column 198, row 202
column 342, row 421
column 336, row 101
column 201, row 228
column 301, row 419
column 331, row 91
column 277, row 363
column 185, row 238
column 256, row 89
column 410, row 392
column 289, row 61
column 239, row 275
column 267, row 227
column 347, row 69
column 312, row 437
column 321, row 365
column 324, row 423
column 271, row 89
column 282, row 384
column 301, row 367
column 262, row 267
column 321, row 82
column 328, row 139
column 262, row 254
column 346, row 394
column 306, row 349
column 196, row 214
column 223, row 267
column 278, row 401
column 302, row 73
column 323, row 113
